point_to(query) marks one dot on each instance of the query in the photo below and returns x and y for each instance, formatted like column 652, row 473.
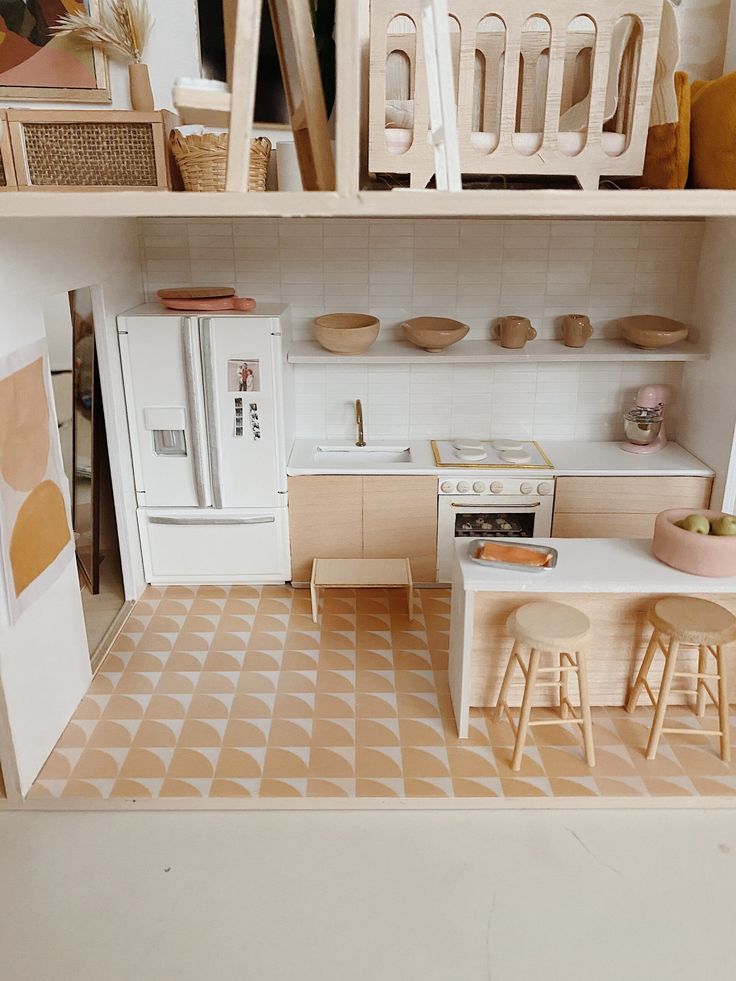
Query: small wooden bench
column 361, row 574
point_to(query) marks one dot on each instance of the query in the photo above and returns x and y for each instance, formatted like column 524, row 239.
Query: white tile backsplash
column 474, row 270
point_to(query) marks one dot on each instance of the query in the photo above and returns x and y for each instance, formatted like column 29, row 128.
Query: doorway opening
column 70, row 331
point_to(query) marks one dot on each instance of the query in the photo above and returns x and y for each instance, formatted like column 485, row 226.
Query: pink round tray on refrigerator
column 242, row 303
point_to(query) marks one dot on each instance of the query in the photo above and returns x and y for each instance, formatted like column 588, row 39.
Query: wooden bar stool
column 688, row 622
column 548, row 628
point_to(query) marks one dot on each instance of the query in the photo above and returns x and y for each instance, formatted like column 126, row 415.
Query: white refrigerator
column 205, row 397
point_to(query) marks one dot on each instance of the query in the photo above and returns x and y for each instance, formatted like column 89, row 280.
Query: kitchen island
column 612, row 580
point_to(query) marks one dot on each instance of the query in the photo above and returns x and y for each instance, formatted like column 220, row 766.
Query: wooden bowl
column 650, row 331
column 700, row 555
column 346, row 333
column 434, row 334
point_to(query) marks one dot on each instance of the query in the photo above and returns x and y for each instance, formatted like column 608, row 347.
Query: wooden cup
column 514, row 332
column 576, row 330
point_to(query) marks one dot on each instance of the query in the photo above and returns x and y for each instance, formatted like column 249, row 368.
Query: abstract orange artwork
column 35, row 531
column 37, row 64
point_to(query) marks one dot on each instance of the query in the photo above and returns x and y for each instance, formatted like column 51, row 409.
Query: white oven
column 500, row 507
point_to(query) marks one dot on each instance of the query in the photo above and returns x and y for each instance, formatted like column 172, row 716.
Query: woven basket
column 202, row 161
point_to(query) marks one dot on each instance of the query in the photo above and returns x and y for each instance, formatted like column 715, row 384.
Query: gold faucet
column 359, row 419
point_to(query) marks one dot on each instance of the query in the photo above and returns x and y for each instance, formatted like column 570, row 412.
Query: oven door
column 488, row 517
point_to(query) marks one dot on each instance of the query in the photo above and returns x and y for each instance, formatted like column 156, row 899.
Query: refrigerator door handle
column 197, row 427
column 159, row 519
column 210, row 398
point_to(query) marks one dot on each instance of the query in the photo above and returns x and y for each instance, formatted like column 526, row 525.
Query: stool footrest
column 556, row 722
column 684, row 731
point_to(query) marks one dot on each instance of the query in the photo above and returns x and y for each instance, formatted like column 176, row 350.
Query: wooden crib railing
column 521, row 71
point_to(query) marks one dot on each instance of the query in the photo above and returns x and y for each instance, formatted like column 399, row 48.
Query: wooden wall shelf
column 542, row 204
column 540, row 351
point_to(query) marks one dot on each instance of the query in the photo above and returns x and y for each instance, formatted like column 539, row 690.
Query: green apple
column 697, row 523
column 725, row 525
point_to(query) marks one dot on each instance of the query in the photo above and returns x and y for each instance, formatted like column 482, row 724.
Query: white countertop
column 569, row 458
column 588, row 565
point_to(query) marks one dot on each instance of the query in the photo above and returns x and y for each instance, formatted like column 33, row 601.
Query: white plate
column 471, row 456
column 513, row 456
column 508, row 444
column 468, row 444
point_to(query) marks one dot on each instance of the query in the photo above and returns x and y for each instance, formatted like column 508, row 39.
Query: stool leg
column 664, row 693
column 505, row 684
column 526, row 709
column 564, row 710
column 585, row 708
column 643, row 672
column 699, row 684
column 315, row 601
column 723, row 714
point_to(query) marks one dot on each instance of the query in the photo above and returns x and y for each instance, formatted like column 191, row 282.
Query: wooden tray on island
column 544, row 551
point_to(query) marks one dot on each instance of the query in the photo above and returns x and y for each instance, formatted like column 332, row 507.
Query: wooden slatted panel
column 620, row 634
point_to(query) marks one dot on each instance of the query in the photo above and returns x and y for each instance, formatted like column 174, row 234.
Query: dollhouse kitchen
column 368, row 420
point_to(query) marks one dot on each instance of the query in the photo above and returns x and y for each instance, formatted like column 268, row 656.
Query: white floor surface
column 456, row 896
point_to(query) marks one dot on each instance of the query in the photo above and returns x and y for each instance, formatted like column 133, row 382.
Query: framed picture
column 36, row 64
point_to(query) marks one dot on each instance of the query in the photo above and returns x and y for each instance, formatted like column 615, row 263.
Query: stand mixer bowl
column 641, row 432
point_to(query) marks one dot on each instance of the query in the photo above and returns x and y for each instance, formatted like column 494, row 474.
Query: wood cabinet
column 363, row 517
column 325, row 521
column 622, row 507
column 400, row 521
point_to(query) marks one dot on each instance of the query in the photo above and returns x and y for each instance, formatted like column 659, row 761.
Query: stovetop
column 501, row 454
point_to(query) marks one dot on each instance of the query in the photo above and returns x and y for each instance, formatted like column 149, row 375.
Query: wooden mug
column 514, row 332
column 576, row 330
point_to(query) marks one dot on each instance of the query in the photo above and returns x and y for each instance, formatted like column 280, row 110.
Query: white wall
column 474, row 271
column 44, row 661
column 172, row 51
column 708, row 426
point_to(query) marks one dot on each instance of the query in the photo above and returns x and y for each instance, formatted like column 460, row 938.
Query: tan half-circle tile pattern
column 184, row 708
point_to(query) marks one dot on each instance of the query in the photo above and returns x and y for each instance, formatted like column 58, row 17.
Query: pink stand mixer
column 644, row 424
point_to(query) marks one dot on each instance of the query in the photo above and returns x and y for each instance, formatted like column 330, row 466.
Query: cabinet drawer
column 188, row 545
column 630, row 495
column 603, row 525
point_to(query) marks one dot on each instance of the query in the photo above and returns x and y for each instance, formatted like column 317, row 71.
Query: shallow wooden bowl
column 346, row 333
column 700, row 555
column 650, row 331
column 434, row 334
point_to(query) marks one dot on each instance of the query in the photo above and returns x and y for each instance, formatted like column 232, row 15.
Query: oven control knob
column 447, row 487
column 463, row 487
column 527, row 488
column 544, row 488
column 479, row 487
column 496, row 487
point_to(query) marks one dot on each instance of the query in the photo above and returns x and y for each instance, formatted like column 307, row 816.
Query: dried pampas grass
column 121, row 30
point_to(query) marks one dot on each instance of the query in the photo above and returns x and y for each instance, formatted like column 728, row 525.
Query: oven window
column 494, row 525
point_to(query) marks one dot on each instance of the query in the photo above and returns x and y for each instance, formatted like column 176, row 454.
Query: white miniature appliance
column 205, row 401
column 505, row 506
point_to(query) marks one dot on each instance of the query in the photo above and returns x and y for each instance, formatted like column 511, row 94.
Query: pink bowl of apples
column 702, row 543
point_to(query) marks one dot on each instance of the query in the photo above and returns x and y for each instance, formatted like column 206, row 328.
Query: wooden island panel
column 620, row 635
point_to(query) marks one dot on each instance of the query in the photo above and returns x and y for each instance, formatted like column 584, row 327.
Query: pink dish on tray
column 700, row 555
column 242, row 303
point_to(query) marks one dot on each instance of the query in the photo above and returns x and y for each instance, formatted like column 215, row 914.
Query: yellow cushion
column 668, row 146
column 713, row 133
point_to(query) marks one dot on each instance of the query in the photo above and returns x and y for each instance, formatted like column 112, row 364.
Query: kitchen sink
column 366, row 456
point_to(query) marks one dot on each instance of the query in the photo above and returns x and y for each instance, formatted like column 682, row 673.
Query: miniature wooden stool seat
column 361, row 574
column 548, row 628
column 688, row 622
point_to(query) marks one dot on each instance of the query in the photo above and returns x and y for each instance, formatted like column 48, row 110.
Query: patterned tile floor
column 234, row 693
